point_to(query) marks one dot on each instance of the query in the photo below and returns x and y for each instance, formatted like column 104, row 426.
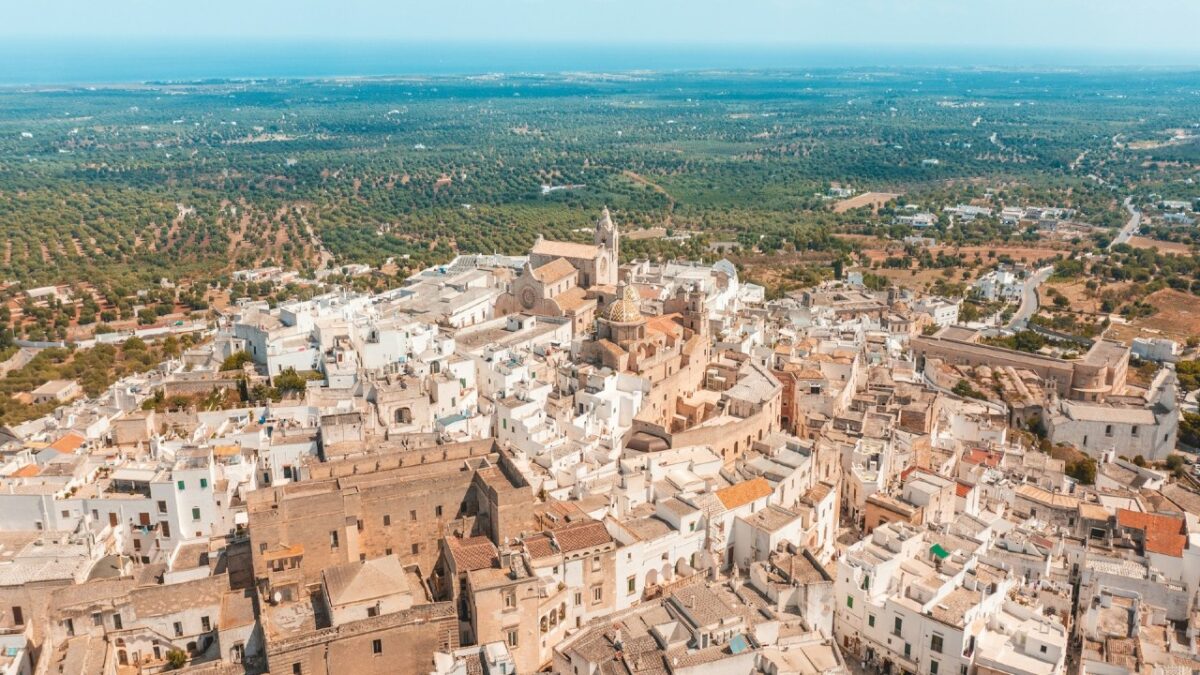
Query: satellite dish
column 277, row 597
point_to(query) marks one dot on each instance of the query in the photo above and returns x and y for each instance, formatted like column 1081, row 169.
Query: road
column 1029, row 298
column 1131, row 226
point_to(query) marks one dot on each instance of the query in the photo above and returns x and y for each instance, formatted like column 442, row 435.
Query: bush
column 176, row 658
column 1083, row 470
column 236, row 361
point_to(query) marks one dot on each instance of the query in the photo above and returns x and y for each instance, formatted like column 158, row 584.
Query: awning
column 938, row 551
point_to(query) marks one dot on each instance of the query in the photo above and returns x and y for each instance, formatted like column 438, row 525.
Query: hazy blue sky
column 1161, row 26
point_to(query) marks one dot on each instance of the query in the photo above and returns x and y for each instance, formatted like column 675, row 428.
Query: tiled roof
column 361, row 581
column 553, row 271
column 69, row 443
column 473, row 553
column 1163, row 534
column 539, row 546
column 580, row 535
column 565, row 249
column 27, row 471
column 570, row 299
column 744, row 492
column 984, row 457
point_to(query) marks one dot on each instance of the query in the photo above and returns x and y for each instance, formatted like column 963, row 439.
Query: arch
column 668, row 572
column 651, row 578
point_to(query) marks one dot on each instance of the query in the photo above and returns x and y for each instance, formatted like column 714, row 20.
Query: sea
column 83, row 62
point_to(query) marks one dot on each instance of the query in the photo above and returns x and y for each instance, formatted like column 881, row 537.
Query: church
column 567, row 279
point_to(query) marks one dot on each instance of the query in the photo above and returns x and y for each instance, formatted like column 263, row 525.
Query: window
column 387, row 520
column 866, row 584
column 631, row 583
column 333, row 539
column 97, row 619
column 376, row 646
column 510, row 599
column 416, row 548
column 296, row 669
column 962, row 670
column 578, row 598
column 359, row 524
column 162, row 506
column 203, row 483
column 933, row 667
column 597, row 594
column 437, row 511
column 596, row 564
column 412, row 515
column 897, row 626
column 1042, row 647
column 195, row 513
column 871, row 620
column 512, row 638
column 907, row 650
column 66, row 514
column 935, row 643
column 205, row 624
column 117, row 623
column 69, row 625
column 372, row 612
column 18, row 616
column 1108, row 430
column 1133, row 431
column 178, row 629
column 180, row 485
column 850, row 602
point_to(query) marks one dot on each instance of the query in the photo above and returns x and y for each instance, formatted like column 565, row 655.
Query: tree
column 289, row 381
column 1083, row 470
column 176, row 658
column 236, row 360
column 1176, row 464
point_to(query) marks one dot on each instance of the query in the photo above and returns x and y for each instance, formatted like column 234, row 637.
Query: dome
column 625, row 309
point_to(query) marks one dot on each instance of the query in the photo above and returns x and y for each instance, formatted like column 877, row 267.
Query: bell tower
column 608, row 239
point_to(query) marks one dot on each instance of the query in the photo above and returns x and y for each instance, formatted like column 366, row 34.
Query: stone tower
column 608, row 239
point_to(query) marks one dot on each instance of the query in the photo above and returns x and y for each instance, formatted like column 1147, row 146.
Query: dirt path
column 642, row 180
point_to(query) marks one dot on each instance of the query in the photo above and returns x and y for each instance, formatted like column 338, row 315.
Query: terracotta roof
column 743, row 493
column 553, row 271
column 571, row 299
column 664, row 324
column 985, row 457
column 581, row 535
column 27, row 471
column 962, row 489
column 565, row 249
column 1163, row 534
column 473, row 553
column 69, row 443
column 539, row 546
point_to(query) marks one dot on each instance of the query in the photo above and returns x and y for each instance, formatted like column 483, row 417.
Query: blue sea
column 31, row 62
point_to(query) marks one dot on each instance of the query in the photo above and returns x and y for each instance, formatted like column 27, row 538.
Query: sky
column 1158, row 26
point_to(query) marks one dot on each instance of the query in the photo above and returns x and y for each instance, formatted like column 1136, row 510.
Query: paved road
column 1029, row 298
column 1131, row 226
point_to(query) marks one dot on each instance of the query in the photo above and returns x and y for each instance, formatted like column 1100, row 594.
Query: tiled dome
column 625, row 310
